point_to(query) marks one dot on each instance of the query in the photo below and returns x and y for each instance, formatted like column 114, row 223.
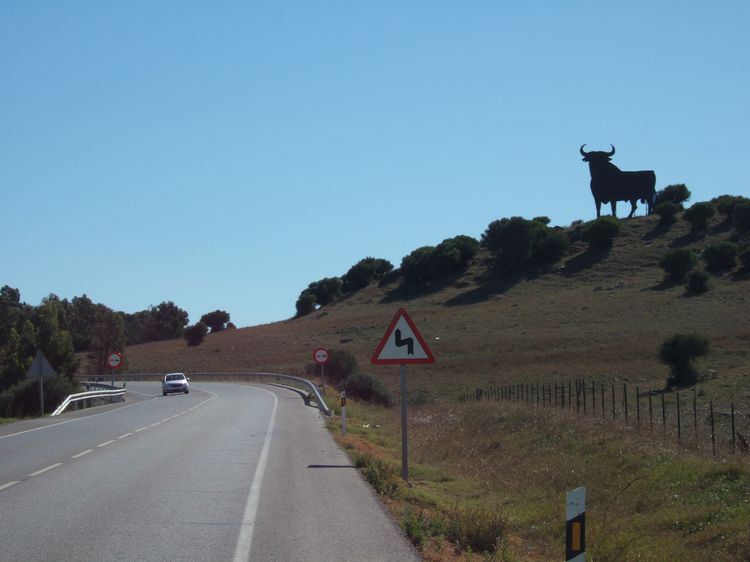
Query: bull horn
column 613, row 150
column 583, row 152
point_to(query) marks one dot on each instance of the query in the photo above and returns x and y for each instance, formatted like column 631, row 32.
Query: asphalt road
column 227, row 472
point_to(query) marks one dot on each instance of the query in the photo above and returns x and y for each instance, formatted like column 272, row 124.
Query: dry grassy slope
column 601, row 318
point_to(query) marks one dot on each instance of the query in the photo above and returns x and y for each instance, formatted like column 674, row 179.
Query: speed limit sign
column 114, row 360
column 321, row 356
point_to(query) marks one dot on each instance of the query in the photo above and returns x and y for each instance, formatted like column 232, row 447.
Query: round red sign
column 321, row 355
column 114, row 360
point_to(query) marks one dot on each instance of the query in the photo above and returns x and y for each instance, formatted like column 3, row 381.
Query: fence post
column 637, row 407
column 679, row 425
column 713, row 434
column 578, row 397
column 614, row 412
column 570, row 395
column 625, row 400
column 695, row 416
column 562, row 396
column 593, row 398
column 733, row 432
column 663, row 413
column 650, row 411
column 602, row 389
column 583, row 388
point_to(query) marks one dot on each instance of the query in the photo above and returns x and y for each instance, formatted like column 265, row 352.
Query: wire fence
column 702, row 424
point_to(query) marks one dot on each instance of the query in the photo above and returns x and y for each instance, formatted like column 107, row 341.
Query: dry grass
column 600, row 316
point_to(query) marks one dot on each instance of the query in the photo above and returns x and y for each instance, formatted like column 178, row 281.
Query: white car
column 175, row 382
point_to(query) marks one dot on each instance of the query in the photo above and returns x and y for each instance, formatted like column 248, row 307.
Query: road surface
column 230, row 471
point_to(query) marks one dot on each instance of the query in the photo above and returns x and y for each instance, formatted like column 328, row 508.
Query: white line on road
column 124, row 436
column 50, row 467
column 79, row 455
column 244, row 541
column 154, row 424
column 8, row 485
column 106, row 443
column 144, row 428
column 165, row 420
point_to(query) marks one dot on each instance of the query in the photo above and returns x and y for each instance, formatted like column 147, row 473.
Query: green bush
column 678, row 194
column 382, row 475
column 481, row 530
column 725, row 204
column 416, row 267
column 551, row 246
column 678, row 353
column 667, row 212
column 721, row 256
column 697, row 283
column 368, row 388
column 698, row 216
column 22, row 399
column 341, row 364
column 677, row 263
column 428, row 263
column 600, row 233
column 194, row 334
column 511, row 242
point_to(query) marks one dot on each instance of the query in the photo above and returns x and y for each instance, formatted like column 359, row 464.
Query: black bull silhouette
column 609, row 184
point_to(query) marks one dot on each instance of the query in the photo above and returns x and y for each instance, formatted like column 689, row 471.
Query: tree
column 511, row 241
column 305, row 303
column 364, row 272
column 108, row 335
column 326, row 290
column 678, row 353
column 165, row 322
column 216, row 320
column 194, row 334
column 416, row 267
column 720, row 256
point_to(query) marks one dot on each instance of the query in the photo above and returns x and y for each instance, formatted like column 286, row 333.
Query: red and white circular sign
column 114, row 360
column 321, row 355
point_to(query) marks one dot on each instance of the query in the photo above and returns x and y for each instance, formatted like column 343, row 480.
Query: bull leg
column 614, row 208
column 633, row 207
column 598, row 207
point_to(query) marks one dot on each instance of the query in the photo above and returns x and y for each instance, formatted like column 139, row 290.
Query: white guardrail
column 112, row 394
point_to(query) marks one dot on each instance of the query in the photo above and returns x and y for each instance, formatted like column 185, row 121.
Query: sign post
column 402, row 344
column 343, row 412
column 40, row 368
column 114, row 360
column 321, row 357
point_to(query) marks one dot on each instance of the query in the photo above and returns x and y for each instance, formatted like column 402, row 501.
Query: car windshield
column 175, row 377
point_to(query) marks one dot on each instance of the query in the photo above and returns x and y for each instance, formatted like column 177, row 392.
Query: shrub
column 511, row 241
column 416, row 267
column 481, row 530
column 678, row 194
column 368, row 388
column 22, row 399
column 721, row 256
column 667, row 212
column 326, row 290
column 551, row 246
column 676, row 264
column 380, row 474
column 725, row 204
column 194, row 334
column 678, row 353
column 698, row 216
column 600, row 233
column 697, row 283
column 341, row 364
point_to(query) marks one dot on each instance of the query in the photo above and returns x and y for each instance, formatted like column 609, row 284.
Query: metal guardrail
column 275, row 378
column 113, row 394
column 298, row 383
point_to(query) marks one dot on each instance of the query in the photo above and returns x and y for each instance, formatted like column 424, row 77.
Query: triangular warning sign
column 40, row 367
column 402, row 343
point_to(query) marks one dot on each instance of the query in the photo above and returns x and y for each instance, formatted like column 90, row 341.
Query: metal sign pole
column 41, row 390
column 404, row 436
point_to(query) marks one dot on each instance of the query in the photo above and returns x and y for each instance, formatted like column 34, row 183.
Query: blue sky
column 223, row 155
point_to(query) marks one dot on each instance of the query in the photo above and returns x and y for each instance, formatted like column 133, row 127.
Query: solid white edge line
column 245, row 539
column 79, row 455
column 38, row 472
column 8, row 485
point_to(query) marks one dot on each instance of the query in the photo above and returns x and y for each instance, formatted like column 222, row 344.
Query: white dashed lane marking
column 50, row 467
column 8, row 485
column 79, row 455
column 124, row 436
column 106, row 443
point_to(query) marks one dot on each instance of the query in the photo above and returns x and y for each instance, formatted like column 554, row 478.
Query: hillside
column 601, row 316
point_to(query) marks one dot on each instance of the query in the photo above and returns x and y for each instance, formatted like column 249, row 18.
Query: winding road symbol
column 406, row 341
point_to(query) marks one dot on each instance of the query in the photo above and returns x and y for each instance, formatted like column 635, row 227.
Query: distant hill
column 598, row 315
